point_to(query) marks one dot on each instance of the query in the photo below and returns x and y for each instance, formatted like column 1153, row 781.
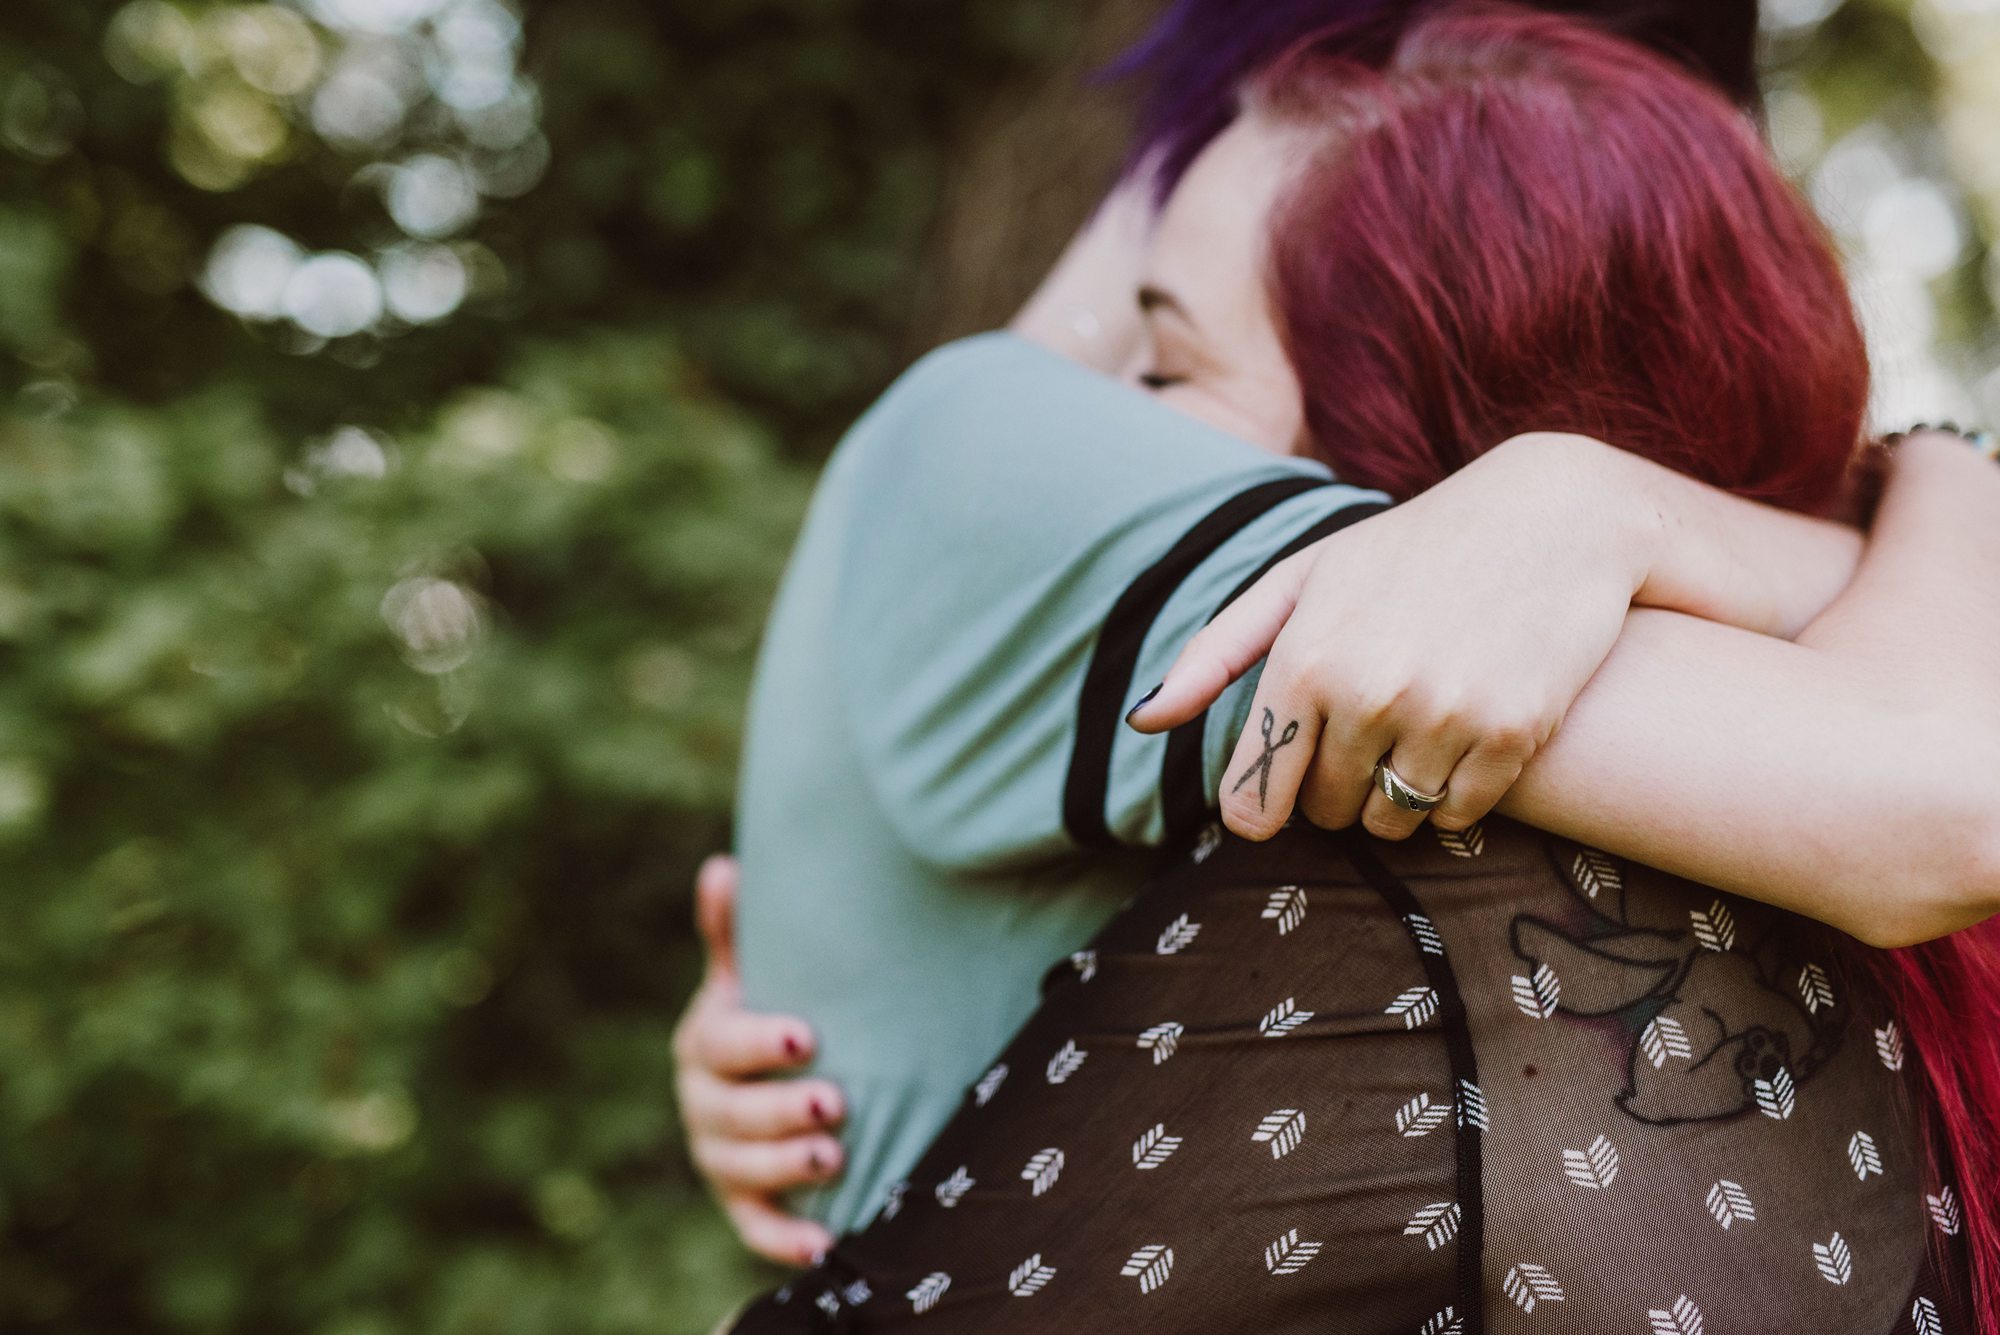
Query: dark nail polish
column 793, row 1048
column 1143, row 701
column 819, row 1112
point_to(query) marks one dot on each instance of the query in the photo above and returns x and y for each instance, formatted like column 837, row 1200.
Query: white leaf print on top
column 1467, row 843
column 1178, row 935
column 952, row 1190
column 1288, row 906
column 857, row 1293
column 989, row 1085
column 1537, row 996
column 1595, row 1167
column 1924, row 1316
column 892, row 1205
column 1594, row 872
column 1209, row 840
column 1282, row 1019
column 929, row 1289
column 1815, row 989
column 1283, row 1129
column 1030, row 1277
column 1835, row 1262
column 1528, row 1284
column 1288, row 1256
column 1662, row 1038
column 1420, row 1117
column 1067, row 1062
column 1152, row 1263
column 1085, row 963
column 1728, row 1202
column 1714, row 927
column 1042, row 1170
column 1426, row 933
column 1415, row 1005
column 1446, row 1322
column 1944, row 1212
column 1436, row 1223
column 1683, row 1318
column 1774, row 1096
column 1161, row 1040
column 1471, row 1107
column 1862, row 1156
column 1889, row 1046
column 1154, row 1147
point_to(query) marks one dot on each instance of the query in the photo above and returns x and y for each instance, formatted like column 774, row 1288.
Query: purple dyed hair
column 1199, row 53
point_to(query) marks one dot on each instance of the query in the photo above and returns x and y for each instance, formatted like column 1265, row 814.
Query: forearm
column 1700, row 550
column 1854, row 776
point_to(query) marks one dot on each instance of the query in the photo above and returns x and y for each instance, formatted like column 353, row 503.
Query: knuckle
column 701, row 1153
column 1515, row 734
column 1434, row 703
column 1371, row 699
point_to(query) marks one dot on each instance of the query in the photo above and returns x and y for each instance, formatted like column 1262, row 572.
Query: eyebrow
column 1153, row 298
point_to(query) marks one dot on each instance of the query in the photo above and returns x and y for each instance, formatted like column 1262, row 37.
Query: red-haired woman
column 1493, row 1078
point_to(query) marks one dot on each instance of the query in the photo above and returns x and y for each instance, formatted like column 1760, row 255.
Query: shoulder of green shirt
column 994, row 464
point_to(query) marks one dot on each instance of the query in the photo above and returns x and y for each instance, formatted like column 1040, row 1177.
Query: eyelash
column 1154, row 381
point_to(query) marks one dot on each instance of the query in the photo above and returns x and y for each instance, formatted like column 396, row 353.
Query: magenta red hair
column 1517, row 222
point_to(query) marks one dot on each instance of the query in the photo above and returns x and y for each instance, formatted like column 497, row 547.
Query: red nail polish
column 819, row 1112
column 793, row 1048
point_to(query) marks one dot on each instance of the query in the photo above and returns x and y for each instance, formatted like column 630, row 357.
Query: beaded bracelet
column 1980, row 439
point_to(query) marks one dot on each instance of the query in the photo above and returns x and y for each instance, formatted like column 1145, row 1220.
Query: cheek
column 1258, row 414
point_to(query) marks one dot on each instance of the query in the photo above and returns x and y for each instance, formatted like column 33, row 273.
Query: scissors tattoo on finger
column 1261, row 766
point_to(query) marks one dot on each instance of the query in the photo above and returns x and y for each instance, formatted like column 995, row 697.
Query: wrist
column 1611, row 505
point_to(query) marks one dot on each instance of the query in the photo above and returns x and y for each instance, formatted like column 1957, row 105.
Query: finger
column 1343, row 764
column 1481, row 779
column 715, row 910
column 1426, row 761
column 759, row 1109
column 764, row 1167
column 1224, row 649
column 728, row 1040
column 774, row 1235
column 1262, row 780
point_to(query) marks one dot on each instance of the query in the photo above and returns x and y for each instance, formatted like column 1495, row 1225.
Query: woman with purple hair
column 961, row 753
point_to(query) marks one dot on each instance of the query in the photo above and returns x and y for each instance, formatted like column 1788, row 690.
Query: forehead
column 1209, row 243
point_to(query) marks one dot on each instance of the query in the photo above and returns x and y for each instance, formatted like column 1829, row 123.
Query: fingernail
column 794, row 1048
column 819, row 1113
column 1143, row 701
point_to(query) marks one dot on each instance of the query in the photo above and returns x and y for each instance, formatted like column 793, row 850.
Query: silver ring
column 1398, row 791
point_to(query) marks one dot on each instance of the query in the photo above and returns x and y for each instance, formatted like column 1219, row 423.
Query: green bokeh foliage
column 347, row 821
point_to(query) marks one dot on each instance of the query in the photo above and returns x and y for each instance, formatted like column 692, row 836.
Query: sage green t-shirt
column 939, row 798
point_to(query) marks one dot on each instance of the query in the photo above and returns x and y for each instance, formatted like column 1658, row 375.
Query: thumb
column 715, row 910
column 1226, row 648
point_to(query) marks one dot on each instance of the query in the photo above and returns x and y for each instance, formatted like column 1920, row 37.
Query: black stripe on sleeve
column 1107, row 681
column 1184, row 796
